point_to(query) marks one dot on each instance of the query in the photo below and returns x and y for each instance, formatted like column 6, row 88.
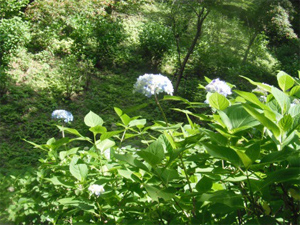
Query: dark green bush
column 155, row 40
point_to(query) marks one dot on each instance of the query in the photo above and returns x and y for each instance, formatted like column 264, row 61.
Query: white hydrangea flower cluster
column 96, row 189
column 219, row 86
column 62, row 114
column 151, row 84
column 295, row 102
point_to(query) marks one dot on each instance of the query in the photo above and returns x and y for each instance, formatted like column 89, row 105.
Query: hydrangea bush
column 240, row 166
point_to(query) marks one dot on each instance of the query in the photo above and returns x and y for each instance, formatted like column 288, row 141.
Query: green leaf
column 228, row 198
column 140, row 123
column 251, row 98
column 79, row 171
column 236, row 118
column 105, row 144
column 278, row 156
column 245, row 159
column 218, row 101
column 204, row 185
column 64, row 154
column 283, row 175
column 132, row 161
column 69, row 130
column 92, row 120
column 156, row 193
column 167, row 174
column 282, row 99
column 285, row 81
column 98, row 129
column 57, row 181
column 153, row 154
column 264, row 120
column 294, row 110
column 285, row 123
column 253, row 151
column 216, row 137
column 124, row 117
column 176, row 98
column 295, row 91
column 110, row 134
column 223, row 153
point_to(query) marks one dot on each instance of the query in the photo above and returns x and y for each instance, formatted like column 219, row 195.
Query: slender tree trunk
column 200, row 19
column 252, row 40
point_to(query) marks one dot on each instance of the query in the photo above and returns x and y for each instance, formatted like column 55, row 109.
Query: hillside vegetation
column 85, row 57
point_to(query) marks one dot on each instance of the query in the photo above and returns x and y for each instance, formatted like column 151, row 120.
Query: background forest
column 86, row 55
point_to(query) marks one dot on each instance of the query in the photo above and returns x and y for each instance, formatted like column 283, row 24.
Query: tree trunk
column 200, row 19
column 249, row 46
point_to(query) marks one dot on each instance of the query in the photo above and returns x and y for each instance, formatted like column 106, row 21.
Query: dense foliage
column 241, row 166
column 85, row 56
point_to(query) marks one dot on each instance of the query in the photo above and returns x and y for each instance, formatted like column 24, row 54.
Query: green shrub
column 244, row 169
column 155, row 40
column 14, row 33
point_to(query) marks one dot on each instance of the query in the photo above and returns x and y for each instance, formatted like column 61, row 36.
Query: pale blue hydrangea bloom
column 62, row 114
column 219, row 86
column 96, row 189
column 151, row 84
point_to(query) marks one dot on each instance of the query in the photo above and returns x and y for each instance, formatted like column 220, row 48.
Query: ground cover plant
column 241, row 166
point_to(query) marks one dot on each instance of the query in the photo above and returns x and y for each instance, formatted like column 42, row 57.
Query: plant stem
column 189, row 184
column 164, row 115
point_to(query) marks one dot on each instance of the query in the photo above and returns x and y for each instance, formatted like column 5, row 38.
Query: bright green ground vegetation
column 232, row 161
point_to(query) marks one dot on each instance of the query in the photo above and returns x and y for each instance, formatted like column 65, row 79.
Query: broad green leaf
column 253, row 150
column 98, row 129
column 285, row 123
column 77, row 203
column 137, row 123
column 223, row 153
column 228, row 198
column 216, row 137
column 124, row 117
column 218, row 101
column 295, row 91
column 282, row 99
column 57, row 181
column 105, row 144
column 245, row 159
column 251, row 98
column 288, row 174
column 204, row 185
column 92, row 120
column 153, row 154
column 167, row 175
column 79, row 171
column 110, row 134
column 156, row 193
column 132, row 161
column 69, row 201
column 294, row 110
column 264, row 120
column 69, row 130
column 285, row 81
column 129, row 175
column 63, row 154
column 236, row 118
column 278, row 156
